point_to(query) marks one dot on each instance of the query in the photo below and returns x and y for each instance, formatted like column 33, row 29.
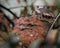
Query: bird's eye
column 49, row 17
column 45, row 16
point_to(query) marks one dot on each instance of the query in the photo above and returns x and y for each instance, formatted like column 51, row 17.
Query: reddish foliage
column 4, row 21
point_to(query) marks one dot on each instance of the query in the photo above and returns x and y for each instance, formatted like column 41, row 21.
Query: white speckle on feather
column 31, row 35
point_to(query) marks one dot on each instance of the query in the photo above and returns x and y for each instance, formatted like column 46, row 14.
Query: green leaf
column 56, row 13
column 36, row 43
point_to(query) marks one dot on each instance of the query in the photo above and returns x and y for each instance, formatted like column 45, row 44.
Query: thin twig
column 53, row 24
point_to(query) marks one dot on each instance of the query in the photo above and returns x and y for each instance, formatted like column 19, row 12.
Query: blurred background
column 18, row 6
